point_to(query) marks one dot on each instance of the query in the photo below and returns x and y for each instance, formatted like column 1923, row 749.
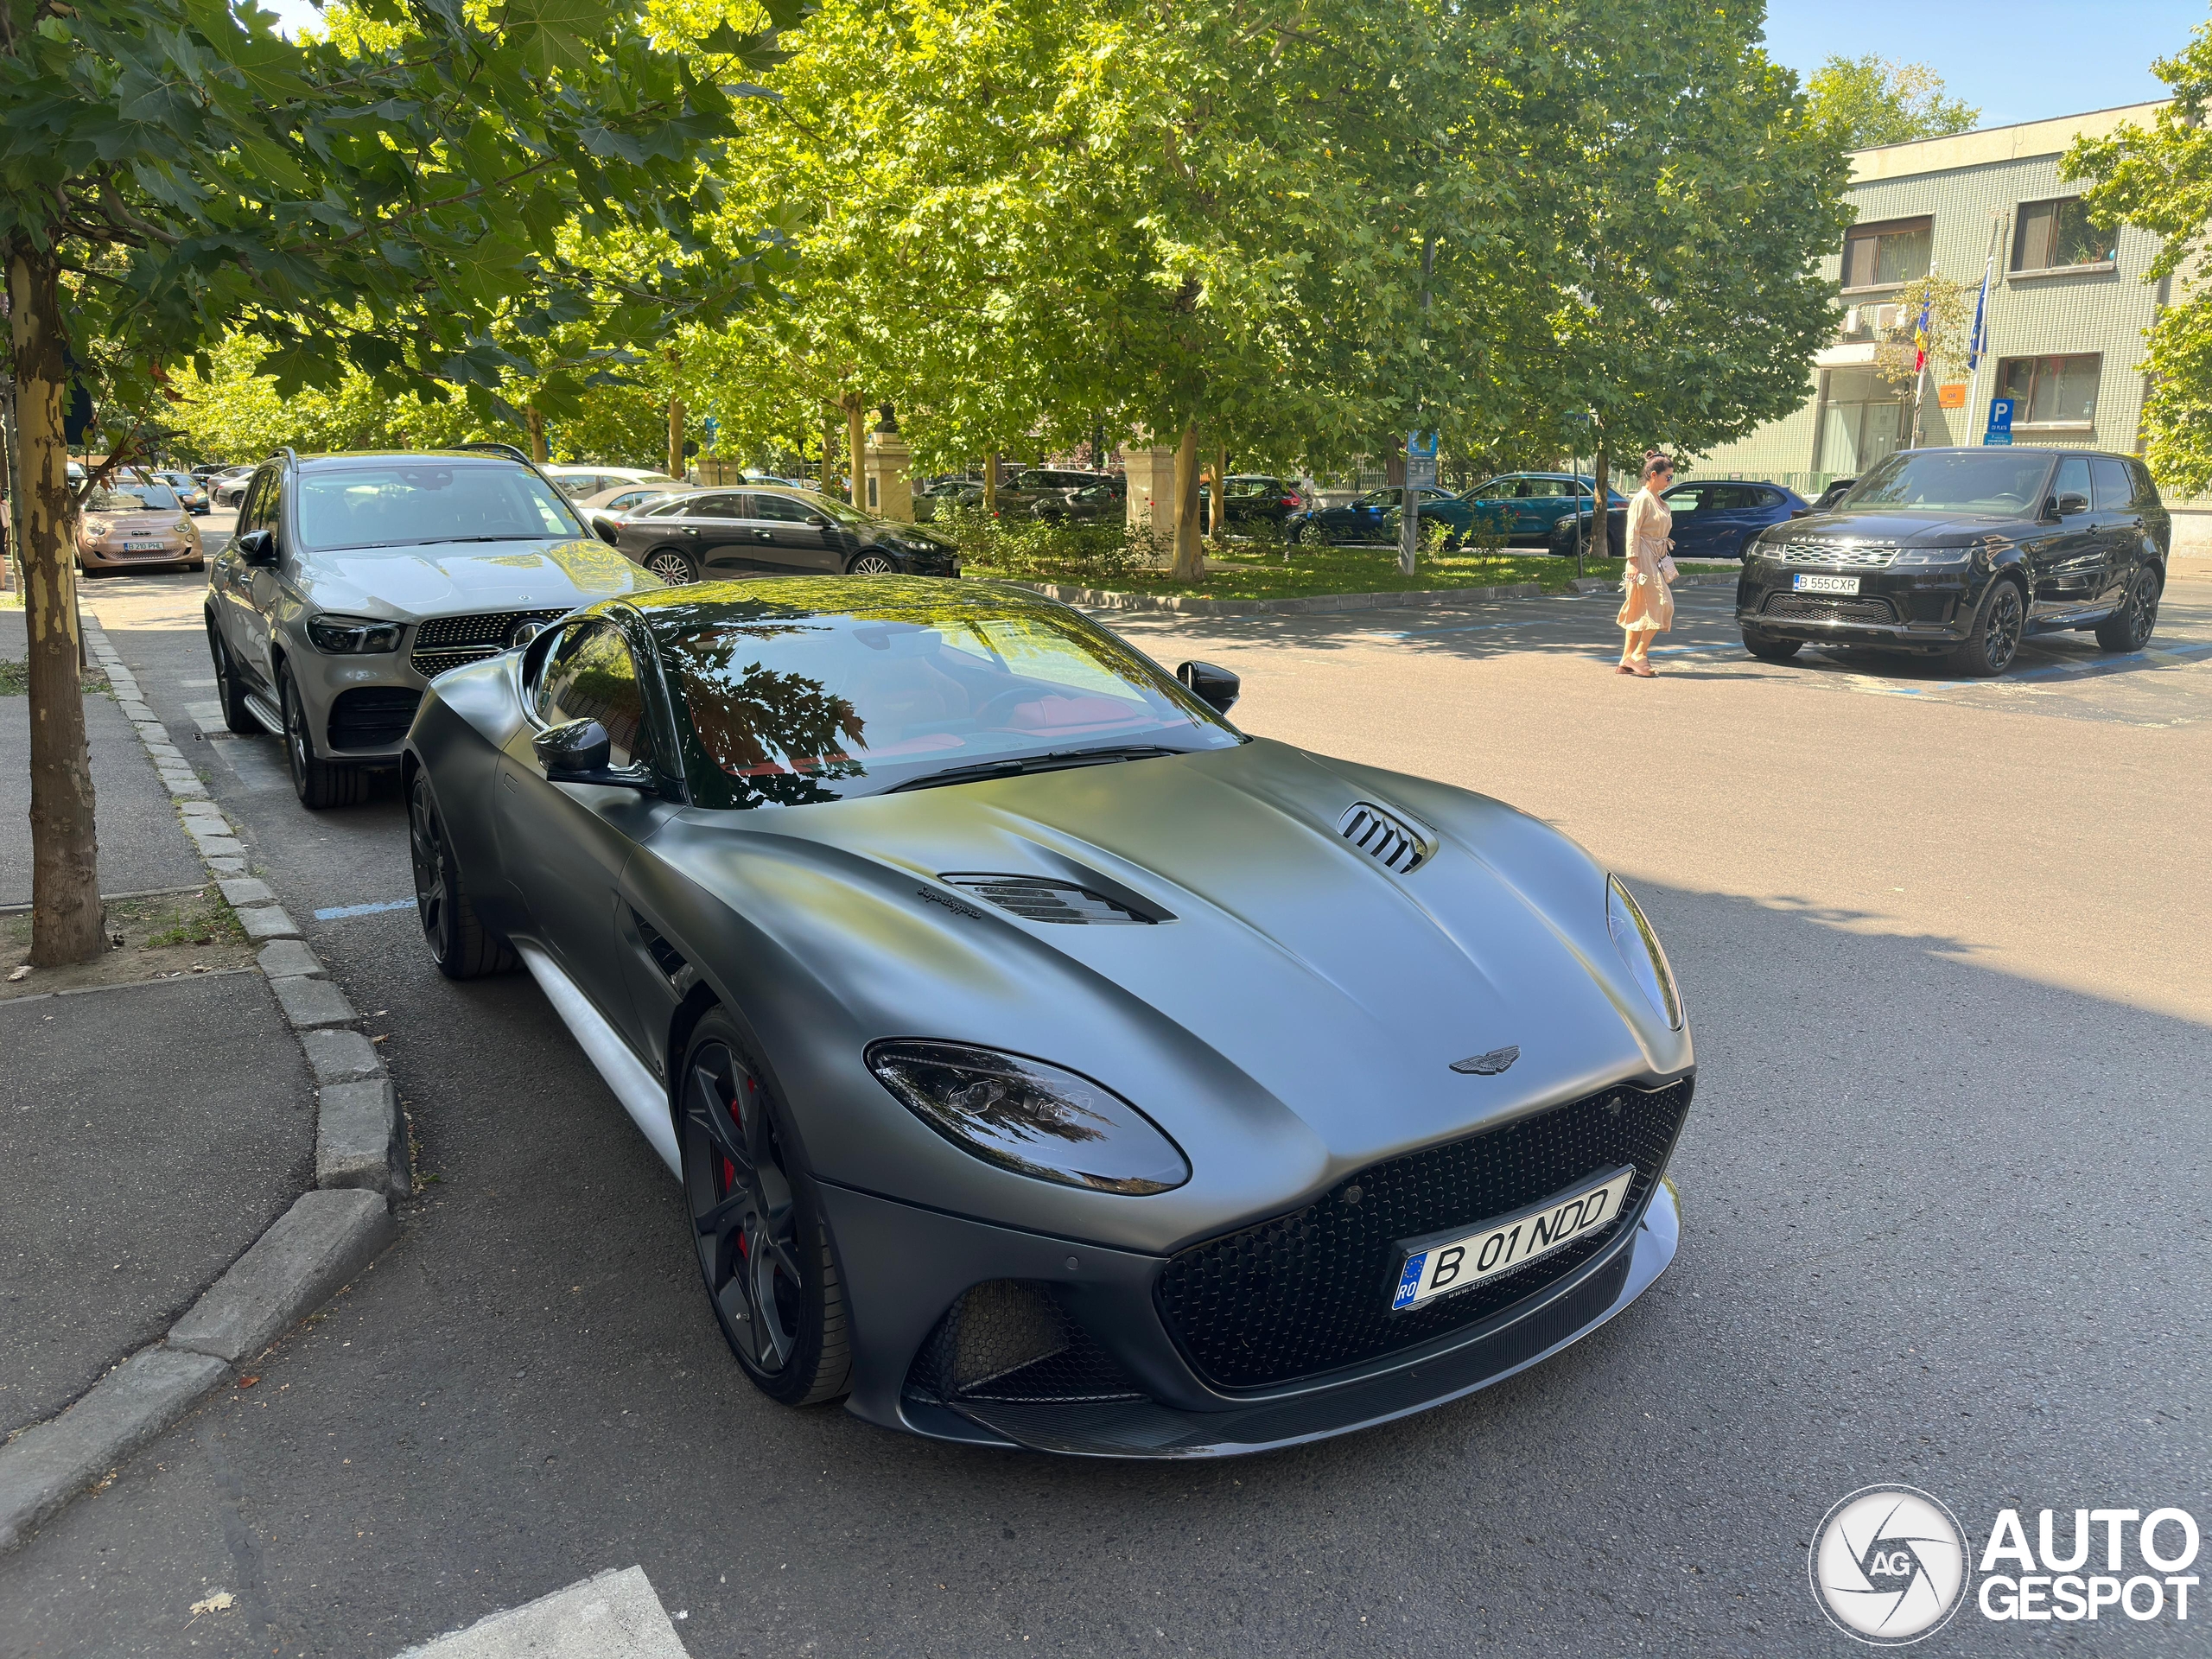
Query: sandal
column 1644, row 673
column 1624, row 668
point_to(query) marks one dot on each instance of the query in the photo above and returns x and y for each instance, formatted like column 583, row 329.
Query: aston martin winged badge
column 1487, row 1065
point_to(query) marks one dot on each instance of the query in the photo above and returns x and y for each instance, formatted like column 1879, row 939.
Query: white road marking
column 615, row 1615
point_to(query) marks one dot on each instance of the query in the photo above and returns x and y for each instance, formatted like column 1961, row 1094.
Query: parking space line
column 339, row 912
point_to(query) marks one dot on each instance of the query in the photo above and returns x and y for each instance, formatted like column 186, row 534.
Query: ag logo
column 1889, row 1564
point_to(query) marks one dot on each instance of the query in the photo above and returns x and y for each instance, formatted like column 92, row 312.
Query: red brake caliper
column 729, row 1172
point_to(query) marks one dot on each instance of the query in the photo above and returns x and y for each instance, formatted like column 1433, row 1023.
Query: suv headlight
column 1639, row 947
column 353, row 636
column 1031, row 1118
column 1932, row 556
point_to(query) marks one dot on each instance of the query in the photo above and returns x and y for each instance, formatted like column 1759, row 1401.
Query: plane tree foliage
column 2158, row 177
column 172, row 171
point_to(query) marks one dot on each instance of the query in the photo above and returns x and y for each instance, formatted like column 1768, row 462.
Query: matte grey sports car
column 1045, row 1062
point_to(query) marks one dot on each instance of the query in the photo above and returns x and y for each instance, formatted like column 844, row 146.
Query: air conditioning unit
column 1885, row 318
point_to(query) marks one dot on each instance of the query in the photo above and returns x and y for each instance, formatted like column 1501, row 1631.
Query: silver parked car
column 356, row 580
column 1043, row 1062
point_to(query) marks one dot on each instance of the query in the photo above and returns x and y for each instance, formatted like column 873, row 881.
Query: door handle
column 688, row 531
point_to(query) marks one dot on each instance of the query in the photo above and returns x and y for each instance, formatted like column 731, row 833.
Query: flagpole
column 1978, row 344
column 1920, row 382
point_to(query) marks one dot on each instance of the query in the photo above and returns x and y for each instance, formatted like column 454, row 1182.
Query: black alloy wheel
column 1310, row 535
column 1994, row 636
column 236, row 716
column 673, row 566
column 872, row 564
column 763, row 1248
column 460, row 945
column 1768, row 649
column 2129, row 627
column 318, row 783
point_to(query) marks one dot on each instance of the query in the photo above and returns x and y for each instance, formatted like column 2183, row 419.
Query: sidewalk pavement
column 153, row 1132
column 140, row 848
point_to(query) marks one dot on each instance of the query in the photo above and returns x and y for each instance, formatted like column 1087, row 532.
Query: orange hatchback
column 128, row 524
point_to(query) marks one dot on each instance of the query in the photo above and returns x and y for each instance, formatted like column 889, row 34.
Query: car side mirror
column 1801, row 512
column 578, row 751
column 1217, row 688
column 258, row 547
column 816, row 521
column 2072, row 503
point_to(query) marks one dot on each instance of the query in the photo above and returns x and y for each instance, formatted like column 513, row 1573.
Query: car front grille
column 1310, row 1292
column 448, row 642
column 373, row 716
column 1835, row 555
column 1824, row 607
column 1008, row 1340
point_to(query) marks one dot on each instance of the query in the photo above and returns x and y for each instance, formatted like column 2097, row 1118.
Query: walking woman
column 1648, row 605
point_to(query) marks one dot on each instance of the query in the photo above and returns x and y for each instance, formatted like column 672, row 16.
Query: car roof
column 354, row 457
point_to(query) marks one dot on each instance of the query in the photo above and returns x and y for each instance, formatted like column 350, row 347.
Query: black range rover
column 1964, row 551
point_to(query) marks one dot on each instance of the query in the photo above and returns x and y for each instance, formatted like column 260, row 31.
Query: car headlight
column 1640, row 952
column 353, row 636
column 98, row 529
column 1031, row 1118
column 1932, row 556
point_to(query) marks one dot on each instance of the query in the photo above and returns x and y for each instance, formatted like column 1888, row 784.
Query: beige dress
column 1647, row 604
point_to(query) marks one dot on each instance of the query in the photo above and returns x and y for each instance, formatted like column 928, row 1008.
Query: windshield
column 1989, row 481
column 133, row 497
column 786, row 706
column 406, row 503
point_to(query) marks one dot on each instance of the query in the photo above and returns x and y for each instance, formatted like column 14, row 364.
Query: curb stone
column 327, row 1236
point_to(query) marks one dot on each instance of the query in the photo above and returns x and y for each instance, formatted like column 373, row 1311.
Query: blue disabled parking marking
column 339, row 913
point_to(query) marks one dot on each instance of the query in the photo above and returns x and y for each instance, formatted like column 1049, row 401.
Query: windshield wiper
column 1014, row 766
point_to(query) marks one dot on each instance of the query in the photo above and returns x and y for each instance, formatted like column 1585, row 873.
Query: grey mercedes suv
column 355, row 580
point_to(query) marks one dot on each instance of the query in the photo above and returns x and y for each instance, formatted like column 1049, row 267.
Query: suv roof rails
column 506, row 450
column 287, row 451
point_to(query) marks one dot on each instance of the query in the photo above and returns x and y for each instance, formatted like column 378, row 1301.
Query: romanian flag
column 1921, row 334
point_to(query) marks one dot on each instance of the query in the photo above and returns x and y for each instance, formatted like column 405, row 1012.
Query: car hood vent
column 1393, row 842
column 1039, row 898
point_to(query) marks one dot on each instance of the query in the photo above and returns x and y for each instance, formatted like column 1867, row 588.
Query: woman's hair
column 1656, row 462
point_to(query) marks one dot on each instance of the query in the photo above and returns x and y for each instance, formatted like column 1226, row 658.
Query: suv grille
column 445, row 642
column 1822, row 607
column 1310, row 1292
column 1835, row 555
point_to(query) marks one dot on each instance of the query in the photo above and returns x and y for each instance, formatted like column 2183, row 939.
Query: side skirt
column 643, row 1095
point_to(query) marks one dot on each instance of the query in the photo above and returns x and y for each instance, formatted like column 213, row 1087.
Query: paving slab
column 152, row 1133
column 140, row 848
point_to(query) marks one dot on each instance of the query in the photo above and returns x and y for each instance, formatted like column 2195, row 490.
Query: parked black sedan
column 1966, row 551
column 1373, row 517
column 1092, row 502
column 1254, row 499
column 724, row 533
column 1714, row 519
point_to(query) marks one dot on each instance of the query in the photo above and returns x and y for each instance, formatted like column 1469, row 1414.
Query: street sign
column 2000, row 422
column 713, row 427
column 1420, row 458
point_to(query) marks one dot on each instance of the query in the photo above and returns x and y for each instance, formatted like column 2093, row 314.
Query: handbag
column 1668, row 568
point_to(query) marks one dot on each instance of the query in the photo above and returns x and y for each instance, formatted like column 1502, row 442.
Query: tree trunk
column 856, row 447
column 675, row 437
column 1601, row 522
column 534, row 423
column 991, row 483
column 829, row 461
column 65, row 914
column 1189, row 551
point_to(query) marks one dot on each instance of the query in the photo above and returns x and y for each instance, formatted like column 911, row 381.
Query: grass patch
column 172, row 937
column 189, row 919
column 15, row 680
column 1260, row 572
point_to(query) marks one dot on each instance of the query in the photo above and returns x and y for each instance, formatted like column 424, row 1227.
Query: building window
column 1864, row 419
column 1882, row 255
column 2050, row 390
column 2053, row 235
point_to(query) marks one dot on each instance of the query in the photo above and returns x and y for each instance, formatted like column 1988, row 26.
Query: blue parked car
column 1714, row 519
column 1528, row 506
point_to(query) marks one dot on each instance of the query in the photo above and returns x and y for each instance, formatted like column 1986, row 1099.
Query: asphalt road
column 1944, row 1190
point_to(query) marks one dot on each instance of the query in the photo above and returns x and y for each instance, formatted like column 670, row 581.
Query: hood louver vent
column 1035, row 899
column 1386, row 838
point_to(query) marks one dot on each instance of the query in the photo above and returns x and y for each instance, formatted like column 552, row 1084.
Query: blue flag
column 1976, row 343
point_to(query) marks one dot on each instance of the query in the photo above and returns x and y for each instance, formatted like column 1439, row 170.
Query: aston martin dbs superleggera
column 1045, row 1062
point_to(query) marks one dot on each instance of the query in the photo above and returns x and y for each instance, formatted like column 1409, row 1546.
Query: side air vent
column 1386, row 838
column 1038, row 899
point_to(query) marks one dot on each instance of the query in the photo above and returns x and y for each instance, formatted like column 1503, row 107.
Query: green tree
column 2159, row 178
column 173, row 170
column 1862, row 101
column 1693, row 206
